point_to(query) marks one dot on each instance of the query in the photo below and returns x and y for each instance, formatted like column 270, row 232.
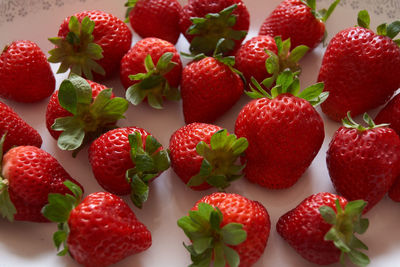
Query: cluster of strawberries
column 277, row 134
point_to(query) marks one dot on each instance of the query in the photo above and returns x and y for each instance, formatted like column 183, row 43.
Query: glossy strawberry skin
column 25, row 74
column 284, row 135
column 156, row 18
column 133, row 61
column 32, row 174
column 104, row 230
column 209, row 88
column 111, row 33
column 360, row 72
column 251, row 214
column 364, row 165
column 293, row 19
column 304, row 229
column 182, row 145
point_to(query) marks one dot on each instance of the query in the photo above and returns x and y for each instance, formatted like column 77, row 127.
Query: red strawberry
column 226, row 229
column 284, row 132
column 99, row 231
column 18, row 132
column 151, row 70
column 125, row 160
column 359, row 69
column 321, row 229
column 81, row 111
column 205, row 22
column 25, row 74
column 204, row 155
column 29, row 174
column 155, row 18
column 298, row 20
column 99, row 41
column 363, row 162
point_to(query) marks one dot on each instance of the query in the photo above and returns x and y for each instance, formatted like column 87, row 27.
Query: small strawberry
column 322, row 227
column 125, row 160
column 91, row 41
column 359, row 68
column 204, row 155
column 98, row 231
column 363, row 162
column 81, row 111
column 25, row 74
column 151, row 70
column 155, row 18
column 298, row 20
column 226, row 229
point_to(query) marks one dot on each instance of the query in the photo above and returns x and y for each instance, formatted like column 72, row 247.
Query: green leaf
column 164, row 61
column 71, row 139
column 7, row 208
column 233, row 234
column 218, row 181
column 152, row 145
column 59, row 238
column 285, row 79
column 216, row 219
column 231, row 256
column 272, row 62
column 140, row 191
column 219, row 257
column 363, row 19
column 67, row 97
column 148, row 63
column 298, row 52
column 75, row 189
column 65, row 123
column 59, row 207
column 144, row 163
column 328, row 214
column 135, row 95
column 359, row 258
column 393, row 29
column 155, row 101
column 162, row 160
column 330, row 10
column 239, row 146
column 382, row 29
column 312, row 92
column 87, row 25
column 202, row 244
column 115, row 109
column 334, row 235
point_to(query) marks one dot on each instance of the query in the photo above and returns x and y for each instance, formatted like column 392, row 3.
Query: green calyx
column 210, row 241
column 348, row 122
column 149, row 162
column 130, row 4
column 77, row 51
column 219, row 167
column 153, row 85
column 344, row 224
column 213, row 27
column 58, row 210
column 322, row 14
column 90, row 118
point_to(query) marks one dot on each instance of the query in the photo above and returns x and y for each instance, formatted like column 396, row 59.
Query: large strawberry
column 81, row 111
column 125, row 160
column 298, row 20
column 284, row 131
column 322, row 227
column 91, row 41
column 204, row 155
column 151, row 70
column 98, row 231
column 155, row 18
column 359, row 68
column 226, row 229
column 25, row 74
column 363, row 162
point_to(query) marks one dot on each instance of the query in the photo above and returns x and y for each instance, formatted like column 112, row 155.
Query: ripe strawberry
column 125, row 160
column 204, row 155
column 18, row 132
column 321, row 229
column 363, row 162
column 151, row 70
column 25, row 74
column 28, row 175
column 155, row 18
column 359, row 68
column 91, row 41
column 298, row 20
column 205, row 22
column 98, row 231
column 228, row 229
column 284, row 131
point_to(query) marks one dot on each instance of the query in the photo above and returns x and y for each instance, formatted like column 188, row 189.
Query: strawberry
column 25, row 74
column 151, row 70
column 81, row 111
column 284, row 131
column 204, row 155
column 205, row 22
column 125, row 160
column 226, row 229
column 322, row 227
column 298, row 20
column 155, row 18
column 91, row 41
column 18, row 132
column 363, row 162
column 99, row 230
column 359, row 68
